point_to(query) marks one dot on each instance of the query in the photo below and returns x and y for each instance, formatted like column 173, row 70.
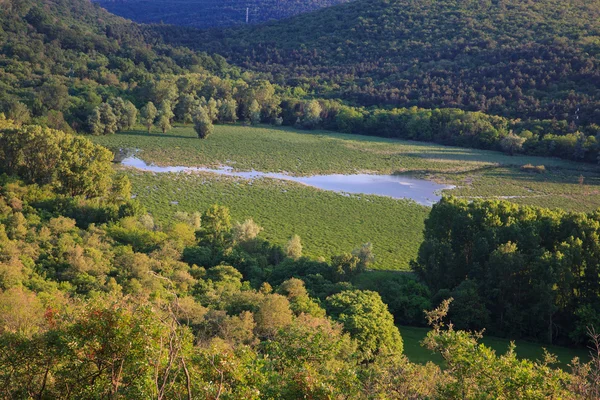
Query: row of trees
column 449, row 126
column 514, row 270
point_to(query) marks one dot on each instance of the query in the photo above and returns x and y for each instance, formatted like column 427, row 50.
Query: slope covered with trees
column 533, row 60
column 211, row 13
column 61, row 59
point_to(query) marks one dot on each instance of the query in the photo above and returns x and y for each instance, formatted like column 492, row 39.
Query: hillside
column 62, row 58
column 519, row 59
column 210, row 13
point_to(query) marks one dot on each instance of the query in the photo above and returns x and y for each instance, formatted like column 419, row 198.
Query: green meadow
column 413, row 336
column 327, row 222
column 476, row 173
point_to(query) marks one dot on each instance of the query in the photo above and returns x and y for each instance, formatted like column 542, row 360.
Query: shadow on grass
column 156, row 135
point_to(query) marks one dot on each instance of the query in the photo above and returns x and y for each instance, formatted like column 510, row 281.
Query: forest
column 55, row 75
column 206, row 14
column 101, row 299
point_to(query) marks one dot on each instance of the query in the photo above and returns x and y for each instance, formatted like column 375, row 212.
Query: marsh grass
column 328, row 223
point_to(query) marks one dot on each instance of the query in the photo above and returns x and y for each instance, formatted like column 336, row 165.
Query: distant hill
column 520, row 59
column 211, row 13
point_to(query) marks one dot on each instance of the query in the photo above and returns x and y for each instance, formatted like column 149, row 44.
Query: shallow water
column 395, row 186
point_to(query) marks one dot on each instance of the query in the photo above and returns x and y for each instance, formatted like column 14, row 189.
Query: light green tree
column 131, row 114
column 228, row 111
column 163, row 123
column 254, row 111
column 293, row 249
column 103, row 121
column 366, row 317
column 148, row 114
column 203, row 124
column 312, row 114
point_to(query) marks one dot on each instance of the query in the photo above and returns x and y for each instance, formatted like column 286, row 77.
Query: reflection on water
column 395, row 186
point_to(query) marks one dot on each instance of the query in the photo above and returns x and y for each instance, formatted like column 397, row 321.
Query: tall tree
column 148, row 114
column 202, row 123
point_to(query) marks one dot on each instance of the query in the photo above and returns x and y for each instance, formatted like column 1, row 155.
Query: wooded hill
column 60, row 59
column 518, row 59
column 211, row 13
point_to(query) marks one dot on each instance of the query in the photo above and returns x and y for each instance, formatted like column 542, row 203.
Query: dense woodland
column 206, row 14
column 72, row 66
column 531, row 60
column 520, row 59
column 514, row 270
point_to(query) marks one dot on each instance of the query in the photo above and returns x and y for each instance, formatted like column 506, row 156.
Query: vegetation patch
column 328, row 223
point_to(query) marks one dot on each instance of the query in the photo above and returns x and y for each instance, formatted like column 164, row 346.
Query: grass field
column 327, row 222
column 330, row 223
column 477, row 173
column 413, row 336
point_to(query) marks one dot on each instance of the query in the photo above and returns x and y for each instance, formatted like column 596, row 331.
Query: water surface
column 396, row 186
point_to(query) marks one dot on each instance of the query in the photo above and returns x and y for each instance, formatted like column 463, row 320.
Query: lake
column 396, row 186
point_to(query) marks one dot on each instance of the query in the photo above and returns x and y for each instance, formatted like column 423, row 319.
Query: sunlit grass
column 413, row 336
column 328, row 223
column 477, row 173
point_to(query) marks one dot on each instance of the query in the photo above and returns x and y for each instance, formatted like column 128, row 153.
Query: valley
column 324, row 199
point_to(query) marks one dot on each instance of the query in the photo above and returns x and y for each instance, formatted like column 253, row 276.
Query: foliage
column 526, row 269
column 526, row 60
column 73, row 164
column 202, row 14
column 202, row 123
column 112, row 310
column 367, row 319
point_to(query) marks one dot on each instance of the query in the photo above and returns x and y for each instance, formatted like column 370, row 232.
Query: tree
column 185, row 107
column 53, row 95
column 365, row 255
column 148, row 114
column 476, row 370
column 216, row 226
column 246, row 231
column 345, row 266
column 367, row 319
column 19, row 113
column 312, row 114
column 117, row 105
column 212, row 109
column 84, row 168
column 293, row 249
column 203, row 124
column 512, row 143
column 273, row 314
column 163, row 123
column 300, row 302
column 103, row 121
column 228, row 111
column 254, row 111
column 579, row 149
column 166, row 110
column 130, row 115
